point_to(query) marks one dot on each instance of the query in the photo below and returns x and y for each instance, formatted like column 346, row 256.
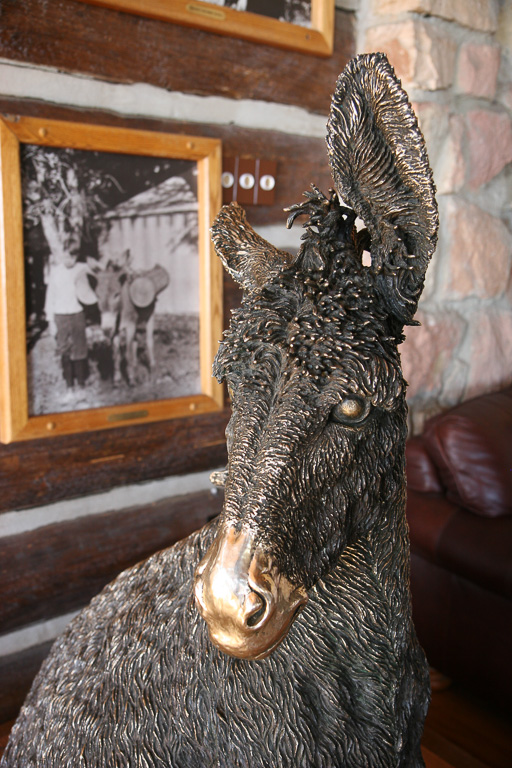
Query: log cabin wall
column 76, row 510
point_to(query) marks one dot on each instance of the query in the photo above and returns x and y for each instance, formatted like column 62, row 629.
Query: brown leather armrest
column 421, row 472
column 471, row 447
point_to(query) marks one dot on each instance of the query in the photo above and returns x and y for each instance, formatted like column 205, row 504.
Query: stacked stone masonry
column 455, row 59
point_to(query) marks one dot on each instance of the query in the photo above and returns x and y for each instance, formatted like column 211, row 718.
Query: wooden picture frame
column 316, row 39
column 22, row 135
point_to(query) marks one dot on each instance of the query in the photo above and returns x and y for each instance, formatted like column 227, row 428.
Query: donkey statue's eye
column 351, row 410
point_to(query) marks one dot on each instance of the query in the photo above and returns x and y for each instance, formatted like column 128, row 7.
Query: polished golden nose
column 247, row 604
column 227, row 599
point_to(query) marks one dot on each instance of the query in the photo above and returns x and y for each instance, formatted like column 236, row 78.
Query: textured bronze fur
column 316, row 470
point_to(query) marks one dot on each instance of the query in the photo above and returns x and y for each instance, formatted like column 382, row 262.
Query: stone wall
column 455, row 60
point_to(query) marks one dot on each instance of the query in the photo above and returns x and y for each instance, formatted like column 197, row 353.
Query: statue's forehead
column 334, row 363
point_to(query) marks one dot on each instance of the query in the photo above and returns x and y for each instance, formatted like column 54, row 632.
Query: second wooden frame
column 317, row 39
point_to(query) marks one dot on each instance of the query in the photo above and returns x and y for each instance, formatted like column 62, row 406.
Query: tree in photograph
column 62, row 195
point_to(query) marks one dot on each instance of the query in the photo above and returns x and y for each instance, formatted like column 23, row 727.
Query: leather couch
column 460, row 517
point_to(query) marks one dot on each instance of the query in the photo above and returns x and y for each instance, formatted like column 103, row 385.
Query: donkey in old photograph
column 280, row 635
column 126, row 302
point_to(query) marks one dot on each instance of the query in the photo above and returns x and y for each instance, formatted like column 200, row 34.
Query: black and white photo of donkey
column 280, row 635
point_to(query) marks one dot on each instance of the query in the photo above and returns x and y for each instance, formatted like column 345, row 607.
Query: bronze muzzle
column 247, row 603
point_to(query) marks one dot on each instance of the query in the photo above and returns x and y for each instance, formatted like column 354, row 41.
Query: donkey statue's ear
column 249, row 258
column 380, row 168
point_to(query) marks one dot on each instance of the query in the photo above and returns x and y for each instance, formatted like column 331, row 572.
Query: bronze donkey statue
column 307, row 656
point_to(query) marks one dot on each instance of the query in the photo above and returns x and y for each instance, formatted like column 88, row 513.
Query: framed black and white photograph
column 109, row 283
column 301, row 25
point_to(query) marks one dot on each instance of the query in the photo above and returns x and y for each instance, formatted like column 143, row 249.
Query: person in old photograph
column 66, row 318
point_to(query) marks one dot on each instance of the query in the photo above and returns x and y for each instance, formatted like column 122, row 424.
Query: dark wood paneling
column 56, row 569
column 467, row 730
column 126, row 48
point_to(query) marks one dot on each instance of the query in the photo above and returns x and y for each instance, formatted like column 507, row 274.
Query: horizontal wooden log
column 124, row 47
column 37, row 472
column 54, row 570
column 16, row 673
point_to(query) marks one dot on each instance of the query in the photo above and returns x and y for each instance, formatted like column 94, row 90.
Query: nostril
column 255, row 606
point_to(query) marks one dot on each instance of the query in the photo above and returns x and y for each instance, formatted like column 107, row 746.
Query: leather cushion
column 421, row 472
column 479, row 550
column 428, row 515
column 471, row 446
column 470, row 546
